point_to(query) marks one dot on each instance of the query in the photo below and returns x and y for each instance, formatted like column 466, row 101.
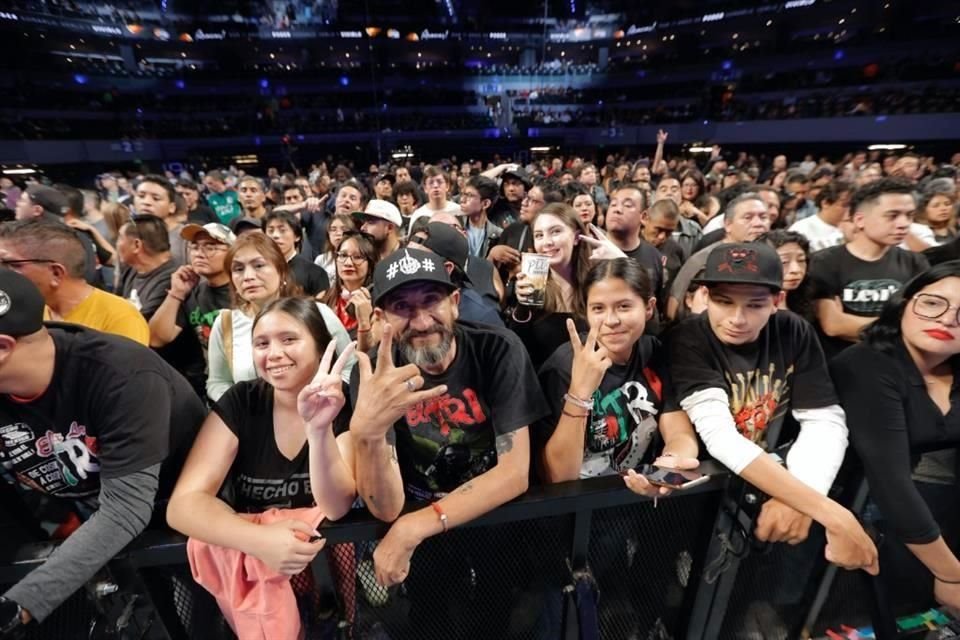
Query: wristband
column 359, row 330
column 443, row 517
column 939, row 579
column 574, row 415
column 580, row 402
column 177, row 298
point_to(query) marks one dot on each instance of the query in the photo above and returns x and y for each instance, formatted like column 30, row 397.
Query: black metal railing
column 573, row 560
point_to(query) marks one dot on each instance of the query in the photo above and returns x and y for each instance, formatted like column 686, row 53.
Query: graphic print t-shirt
column 112, row 408
column 202, row 307
column 862, row 287
column 626, row 408
column 784, row 369
column 226, row 205
column 492, row 389
column 261, row 477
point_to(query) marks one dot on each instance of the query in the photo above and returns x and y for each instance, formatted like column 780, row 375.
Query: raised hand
column 504, row 255
column 603, row 247
column 590, row 362
column 319, row 402
column 183, row 280
column 362, row 303
column 662, row 136
column 386, row 394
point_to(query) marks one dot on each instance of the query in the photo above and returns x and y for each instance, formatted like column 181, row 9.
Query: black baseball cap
column 518, row 174
column 237, row 225
column 743, row 263
column 50, row 200
column 389, row 177
column 406, row 266
column 21, row 305
column 446, row 242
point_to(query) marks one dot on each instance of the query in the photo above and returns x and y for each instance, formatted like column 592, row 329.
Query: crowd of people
column 243, row 357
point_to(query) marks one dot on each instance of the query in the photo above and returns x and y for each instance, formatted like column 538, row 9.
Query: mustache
column 436, row 327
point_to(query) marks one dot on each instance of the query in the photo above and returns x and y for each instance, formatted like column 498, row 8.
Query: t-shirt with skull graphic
column 627, row 407
column 492, row 389
column 113, row 408
column 783, row 369
column 863, row 287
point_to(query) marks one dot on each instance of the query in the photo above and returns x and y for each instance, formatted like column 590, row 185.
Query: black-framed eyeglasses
column 931, row 306
column 9, row 264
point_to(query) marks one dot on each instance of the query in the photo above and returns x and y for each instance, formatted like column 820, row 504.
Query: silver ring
column 410, row 385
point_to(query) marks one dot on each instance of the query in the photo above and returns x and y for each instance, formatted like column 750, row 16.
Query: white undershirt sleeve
column 816, row 456
column 709, row 410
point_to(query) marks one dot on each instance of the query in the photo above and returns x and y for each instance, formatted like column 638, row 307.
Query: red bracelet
column 443, row 517
column 177, row 298
column 367, row 330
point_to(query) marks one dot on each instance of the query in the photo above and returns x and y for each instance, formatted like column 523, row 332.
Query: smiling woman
column 259, row 274
column 272, row 442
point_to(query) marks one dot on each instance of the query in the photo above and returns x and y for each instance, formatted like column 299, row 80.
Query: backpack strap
column 226, row 323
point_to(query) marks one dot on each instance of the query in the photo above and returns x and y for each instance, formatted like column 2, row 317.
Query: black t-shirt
column 202, row 215
column 310, row 277
column 503, row 214
column 261, row 476
column 784, row 369
column 492, row 389
column 543, row 333
column 626, row 407
column 147, row 292
column 648, row 257
column 112, row 408
column 201, row 309
column 862, row 287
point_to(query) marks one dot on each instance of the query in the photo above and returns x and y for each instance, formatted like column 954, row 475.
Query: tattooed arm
column 469, row 501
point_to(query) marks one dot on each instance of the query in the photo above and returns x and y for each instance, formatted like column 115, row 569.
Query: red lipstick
column 939, row 334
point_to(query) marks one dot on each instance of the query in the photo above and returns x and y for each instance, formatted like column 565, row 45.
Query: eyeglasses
column 931, row 306
column 12, row 264
column 534, row 200
column 346, row 257
column 208, row 249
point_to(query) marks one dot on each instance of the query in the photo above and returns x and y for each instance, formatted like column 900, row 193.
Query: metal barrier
column 575, row 560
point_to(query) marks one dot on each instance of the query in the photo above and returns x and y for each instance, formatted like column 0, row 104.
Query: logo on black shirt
column 867, row 297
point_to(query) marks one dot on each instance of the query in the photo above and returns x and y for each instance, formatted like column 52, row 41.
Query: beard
column 427, row 356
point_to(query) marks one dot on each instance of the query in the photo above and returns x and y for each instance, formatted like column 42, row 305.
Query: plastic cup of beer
column 536, row 268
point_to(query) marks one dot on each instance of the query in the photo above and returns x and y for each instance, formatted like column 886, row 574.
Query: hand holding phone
column 672, row 478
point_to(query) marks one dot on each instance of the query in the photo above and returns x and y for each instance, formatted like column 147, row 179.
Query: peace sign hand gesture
column 385, row 395
column 603, row 247
column 590, row 362
column 320, row 401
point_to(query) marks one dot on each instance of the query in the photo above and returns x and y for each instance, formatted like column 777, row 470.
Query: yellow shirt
column 111, row 314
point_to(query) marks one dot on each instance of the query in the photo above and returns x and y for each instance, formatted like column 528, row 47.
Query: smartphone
column 672, row 478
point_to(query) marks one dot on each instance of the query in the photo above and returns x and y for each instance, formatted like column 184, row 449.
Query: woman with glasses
column 349, row 295
column 259, row 274
column 338, row 225
column 900, row 389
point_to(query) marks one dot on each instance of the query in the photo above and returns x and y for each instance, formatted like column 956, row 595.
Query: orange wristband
column 443, row 517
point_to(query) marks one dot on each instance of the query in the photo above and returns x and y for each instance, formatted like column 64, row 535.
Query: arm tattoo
column 465, row 488
column 504, row 443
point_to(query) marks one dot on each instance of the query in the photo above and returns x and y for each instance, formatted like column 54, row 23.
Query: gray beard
column 428, row 356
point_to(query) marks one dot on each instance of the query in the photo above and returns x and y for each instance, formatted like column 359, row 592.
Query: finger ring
column 410, row 385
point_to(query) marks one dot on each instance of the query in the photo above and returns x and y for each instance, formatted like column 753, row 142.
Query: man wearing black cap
column 738, row 369
column 514, row 184
column 383, row 186
column 463, row 446
column 94, row 420
column 40, row 201
column 448, row 243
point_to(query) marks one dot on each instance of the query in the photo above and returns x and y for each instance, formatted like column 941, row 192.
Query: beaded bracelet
column 580, row 402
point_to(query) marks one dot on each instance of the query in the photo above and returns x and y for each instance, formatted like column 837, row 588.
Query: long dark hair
column 304, row 311
column 800, row 299
column 270, row 252
column 370, row 255
column 627, row 269
column 884, row 334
